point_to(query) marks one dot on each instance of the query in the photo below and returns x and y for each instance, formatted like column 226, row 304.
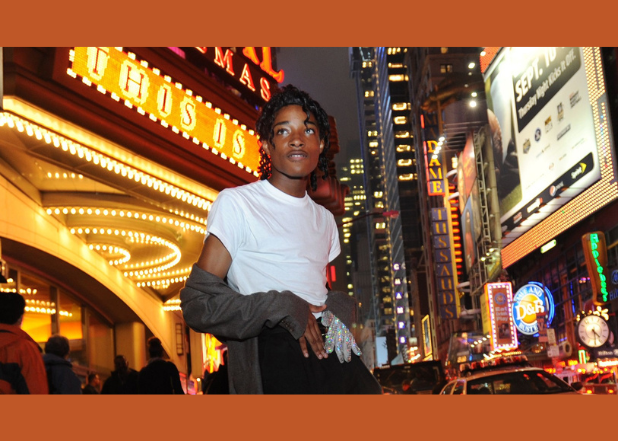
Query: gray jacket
column 210, row 305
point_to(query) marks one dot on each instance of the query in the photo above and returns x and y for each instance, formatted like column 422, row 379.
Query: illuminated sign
column 242, row 68
column 541, row 118
column 125, row 79
column 444, row 264
column 435, row 176
column 595, row 252
column 500, row 306
column 426, row 336
column 532, row 299
column 559, row 128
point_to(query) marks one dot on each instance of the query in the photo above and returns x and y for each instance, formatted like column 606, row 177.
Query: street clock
column 593, row 331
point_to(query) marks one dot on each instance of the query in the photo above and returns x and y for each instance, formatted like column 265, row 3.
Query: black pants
column 285, row 370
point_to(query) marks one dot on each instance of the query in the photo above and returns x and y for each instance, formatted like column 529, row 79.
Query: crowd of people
column 25, row 369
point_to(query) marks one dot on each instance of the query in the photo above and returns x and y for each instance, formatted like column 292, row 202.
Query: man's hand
column 313, row 335
column 339, row 338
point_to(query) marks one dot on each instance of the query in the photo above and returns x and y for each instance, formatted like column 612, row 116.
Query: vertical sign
column 435, row 176
column 502, row 327
column 426, row 336
column 444, row 268
column 595, row 252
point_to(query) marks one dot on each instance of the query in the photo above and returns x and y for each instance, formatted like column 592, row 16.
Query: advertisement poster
column 499, row 297
column 543, row 134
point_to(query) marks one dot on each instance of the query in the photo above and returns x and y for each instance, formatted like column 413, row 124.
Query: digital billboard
column 551, row 137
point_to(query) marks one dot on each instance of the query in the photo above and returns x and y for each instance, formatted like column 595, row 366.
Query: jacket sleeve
column 343, row 306
column 209, row 305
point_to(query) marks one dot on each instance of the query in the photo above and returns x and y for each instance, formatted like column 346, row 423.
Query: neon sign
column 595, row 252
column 125, row 79
column 241, row 67
column 532, row 299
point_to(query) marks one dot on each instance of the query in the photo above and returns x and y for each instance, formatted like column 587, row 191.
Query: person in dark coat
column 60, row 376
column 158, row 376
column 92, row 384
column 123, row 380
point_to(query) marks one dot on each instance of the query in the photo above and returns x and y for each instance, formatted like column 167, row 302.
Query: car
column 513, row 376
column 597, row 383
column 410, row 378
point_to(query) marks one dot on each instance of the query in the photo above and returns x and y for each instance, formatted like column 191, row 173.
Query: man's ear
column 321, row 146
column 266, row 147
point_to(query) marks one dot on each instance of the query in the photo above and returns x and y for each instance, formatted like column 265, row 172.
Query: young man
column 272, row 244
column 159, row 376
column 123, row 380
column 21, row 363
column 93, row 383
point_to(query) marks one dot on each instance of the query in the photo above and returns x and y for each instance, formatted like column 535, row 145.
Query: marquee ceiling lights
column 106, row 162
column 132, row 215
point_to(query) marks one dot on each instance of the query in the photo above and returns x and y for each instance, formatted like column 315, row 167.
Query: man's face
column 96, row 382
column 296, row 144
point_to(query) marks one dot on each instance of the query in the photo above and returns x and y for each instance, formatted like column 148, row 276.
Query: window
column 459, row 387
column 447, row 390
column 446, row 68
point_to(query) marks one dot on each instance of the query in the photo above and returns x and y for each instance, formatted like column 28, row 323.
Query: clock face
column 593, row 331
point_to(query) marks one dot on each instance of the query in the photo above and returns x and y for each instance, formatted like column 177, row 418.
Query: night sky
column 325, row 74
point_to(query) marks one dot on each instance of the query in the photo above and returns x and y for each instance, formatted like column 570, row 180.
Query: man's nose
column 297, row 139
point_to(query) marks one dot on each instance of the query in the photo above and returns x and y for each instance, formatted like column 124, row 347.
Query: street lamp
column 390, row 213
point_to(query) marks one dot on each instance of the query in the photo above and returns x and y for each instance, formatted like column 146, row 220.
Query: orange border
column 318, row 23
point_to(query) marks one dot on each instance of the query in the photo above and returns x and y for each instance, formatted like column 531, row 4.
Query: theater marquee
column 138, row 85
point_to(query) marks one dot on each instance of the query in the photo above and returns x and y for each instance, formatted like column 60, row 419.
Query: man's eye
column 309, row 131
column 281, row 131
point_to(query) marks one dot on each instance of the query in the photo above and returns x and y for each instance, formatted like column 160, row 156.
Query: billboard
column 545, row 147
column 547, row 111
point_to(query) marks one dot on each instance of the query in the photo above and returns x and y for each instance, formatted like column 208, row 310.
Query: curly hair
column 290, row 95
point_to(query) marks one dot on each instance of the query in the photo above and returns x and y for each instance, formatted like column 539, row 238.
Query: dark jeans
column 285, row 370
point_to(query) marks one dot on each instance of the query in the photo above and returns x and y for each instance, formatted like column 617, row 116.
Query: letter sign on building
column 595, row 252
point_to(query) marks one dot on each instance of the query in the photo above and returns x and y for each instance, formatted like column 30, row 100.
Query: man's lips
column 298, row 155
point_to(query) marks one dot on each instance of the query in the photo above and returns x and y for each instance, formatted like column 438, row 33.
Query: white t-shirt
column 277, row 241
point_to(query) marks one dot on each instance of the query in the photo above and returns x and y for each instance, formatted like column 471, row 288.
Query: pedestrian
column 93, row 383
column 21, row 364
column 159, row 376
column 60, row 376
column 123, row 380
column 259, row 284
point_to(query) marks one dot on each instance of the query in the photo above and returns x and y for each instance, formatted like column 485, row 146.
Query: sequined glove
column 339, row 338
